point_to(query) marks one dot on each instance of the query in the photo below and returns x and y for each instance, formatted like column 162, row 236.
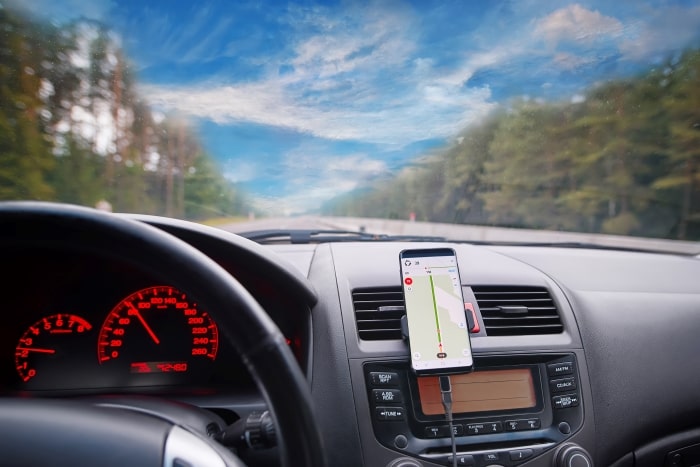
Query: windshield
column 535, row 116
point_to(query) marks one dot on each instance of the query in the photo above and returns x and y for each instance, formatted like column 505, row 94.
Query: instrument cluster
column 73, row 322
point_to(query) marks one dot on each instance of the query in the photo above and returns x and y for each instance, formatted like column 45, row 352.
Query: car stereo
column 509, row 410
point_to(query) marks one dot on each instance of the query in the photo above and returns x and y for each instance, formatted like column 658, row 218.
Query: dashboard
column 579, row 353
column 81, row 324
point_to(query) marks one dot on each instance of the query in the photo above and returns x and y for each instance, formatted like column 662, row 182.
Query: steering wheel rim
column 250, row 330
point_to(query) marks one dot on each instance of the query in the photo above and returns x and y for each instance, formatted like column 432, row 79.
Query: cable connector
column 446, row 393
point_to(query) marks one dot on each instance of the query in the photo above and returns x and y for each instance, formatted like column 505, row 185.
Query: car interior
column 581, row 356
column 350, row 233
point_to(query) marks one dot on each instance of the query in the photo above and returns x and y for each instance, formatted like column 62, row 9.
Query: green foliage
column 25, row 155
column 76, row 176
column 75, row 130
column 624, row 161
column 208, row 195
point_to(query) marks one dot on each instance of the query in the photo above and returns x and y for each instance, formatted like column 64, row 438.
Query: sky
column 303, row 101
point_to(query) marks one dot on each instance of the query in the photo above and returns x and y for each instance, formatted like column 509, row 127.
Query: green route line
column 435, row 310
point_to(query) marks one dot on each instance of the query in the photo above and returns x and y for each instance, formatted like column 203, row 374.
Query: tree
column 528, row 169
column 625, row 161
column 24, row 152
column 73, row 128
column 682, row 102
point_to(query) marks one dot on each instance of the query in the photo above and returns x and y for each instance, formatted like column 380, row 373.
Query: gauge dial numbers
column 157, row 331
column 42, row 349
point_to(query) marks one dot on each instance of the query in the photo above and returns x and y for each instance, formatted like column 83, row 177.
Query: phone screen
column 437, row 323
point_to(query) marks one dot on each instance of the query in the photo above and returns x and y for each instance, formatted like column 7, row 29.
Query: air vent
column 517, row 311
column 506, row 311
column 378, row 313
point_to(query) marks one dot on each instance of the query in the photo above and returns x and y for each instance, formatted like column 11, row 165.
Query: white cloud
column 569, row 61
column 357, row 84
column 380, row 41
column 240, row 170
column 473, row 63
column 352, row 79
column 313, row 176
column 576, row 23
column 430, row 111
column 668, row 29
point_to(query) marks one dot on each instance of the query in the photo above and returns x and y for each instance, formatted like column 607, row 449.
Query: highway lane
column 280, row 223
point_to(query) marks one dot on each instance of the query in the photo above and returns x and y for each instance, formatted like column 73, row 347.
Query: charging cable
column 446, row 392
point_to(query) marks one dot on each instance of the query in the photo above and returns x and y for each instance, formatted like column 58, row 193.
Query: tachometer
column 157, row 330
column 41, row 346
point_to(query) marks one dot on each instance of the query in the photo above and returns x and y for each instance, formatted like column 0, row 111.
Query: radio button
column 389, row 413
column 565, row 401
column 461, row 460
column 441, row 431
column 484, row 428
column 562, row 385
column 491, row 457
column 532, row 424
column 387, row 395
column 520, row 454
column 522, row 425
column 557, row 369
column 494, row 427
column 476, row 429
column 384, row 379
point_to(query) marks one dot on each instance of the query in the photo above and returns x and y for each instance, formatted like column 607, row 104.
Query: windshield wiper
column 298, row 236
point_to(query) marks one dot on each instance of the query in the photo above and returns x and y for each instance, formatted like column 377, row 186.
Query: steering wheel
column 40, row 432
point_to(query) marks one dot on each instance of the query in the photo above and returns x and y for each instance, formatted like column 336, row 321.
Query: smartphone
column 438, row 334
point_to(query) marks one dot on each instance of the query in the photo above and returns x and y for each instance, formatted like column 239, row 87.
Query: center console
column 509, row 410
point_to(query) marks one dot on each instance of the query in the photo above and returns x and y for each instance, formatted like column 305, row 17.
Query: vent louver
column 506, row 311
column 373, row 324
column 517, row 310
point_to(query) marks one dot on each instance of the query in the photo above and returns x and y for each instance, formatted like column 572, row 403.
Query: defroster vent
column 517, row 310
column 378, row 312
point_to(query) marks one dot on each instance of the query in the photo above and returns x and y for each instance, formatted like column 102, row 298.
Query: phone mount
column 404, row 328
column 472, row 324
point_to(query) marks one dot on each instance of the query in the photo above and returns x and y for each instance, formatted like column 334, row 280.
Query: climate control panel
column 510, row 410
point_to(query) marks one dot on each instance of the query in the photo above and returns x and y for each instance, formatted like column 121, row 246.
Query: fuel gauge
column 41, row 345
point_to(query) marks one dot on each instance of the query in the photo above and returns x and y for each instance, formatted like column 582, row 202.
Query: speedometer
column 157, row 330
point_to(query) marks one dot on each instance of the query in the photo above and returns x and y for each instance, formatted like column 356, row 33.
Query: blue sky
column 302, row 101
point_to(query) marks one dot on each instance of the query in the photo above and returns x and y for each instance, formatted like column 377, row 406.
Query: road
column 283, row 223
column 462, row 232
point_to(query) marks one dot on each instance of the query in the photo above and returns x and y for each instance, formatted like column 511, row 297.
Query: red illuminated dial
column 157, row 330
column 40, row 347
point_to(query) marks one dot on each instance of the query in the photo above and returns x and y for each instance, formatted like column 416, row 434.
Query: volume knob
column 572, row 455
column 404, row 462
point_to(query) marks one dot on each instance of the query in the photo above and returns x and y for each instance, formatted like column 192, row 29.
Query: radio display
column 481, row 391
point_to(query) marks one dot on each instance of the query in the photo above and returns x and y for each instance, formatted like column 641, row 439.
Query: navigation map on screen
column 437, row 324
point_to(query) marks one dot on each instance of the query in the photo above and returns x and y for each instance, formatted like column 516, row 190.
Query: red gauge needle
column 135, row 312
column 35, row 349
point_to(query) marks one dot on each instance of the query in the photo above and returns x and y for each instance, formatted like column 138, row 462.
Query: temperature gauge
column 40, row 347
